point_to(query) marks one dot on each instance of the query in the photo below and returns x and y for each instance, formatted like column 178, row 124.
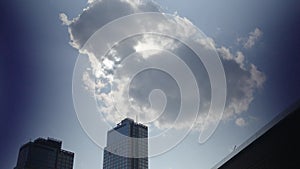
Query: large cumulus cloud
column 243, row 78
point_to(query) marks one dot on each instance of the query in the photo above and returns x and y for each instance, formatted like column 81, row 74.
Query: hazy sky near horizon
column 37, row 65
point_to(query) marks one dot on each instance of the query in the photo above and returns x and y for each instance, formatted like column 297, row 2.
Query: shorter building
column 44, row 154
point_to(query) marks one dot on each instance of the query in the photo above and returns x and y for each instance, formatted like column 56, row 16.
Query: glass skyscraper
column 127, row 146
column 44, row 154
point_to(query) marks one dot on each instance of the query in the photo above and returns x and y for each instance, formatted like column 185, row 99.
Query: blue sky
column 37, row 64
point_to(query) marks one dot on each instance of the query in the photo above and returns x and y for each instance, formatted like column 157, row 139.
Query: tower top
column 127, row 120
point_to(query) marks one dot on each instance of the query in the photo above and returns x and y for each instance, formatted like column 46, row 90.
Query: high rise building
column 127, row 146
column 44, row 154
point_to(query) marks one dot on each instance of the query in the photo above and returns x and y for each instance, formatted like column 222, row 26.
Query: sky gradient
column 37, row 64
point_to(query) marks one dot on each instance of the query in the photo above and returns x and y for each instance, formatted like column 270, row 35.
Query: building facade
column 44, row 154
column 127, row 146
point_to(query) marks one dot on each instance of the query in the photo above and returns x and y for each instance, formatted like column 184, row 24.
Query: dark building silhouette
column 44, row 154
column 127, row 146
column 275, row 147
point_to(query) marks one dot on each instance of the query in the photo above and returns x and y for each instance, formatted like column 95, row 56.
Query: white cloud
column 258, row 77
column 150, row 45
column 207, row 42
column 250, row 41
column 226, row 54
column 240, row 58
column 243, row 79
column 108, row 64
column 133, row 3
column 240, row 122
column 91, row 1
column 88, row 82
column 64, row 18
